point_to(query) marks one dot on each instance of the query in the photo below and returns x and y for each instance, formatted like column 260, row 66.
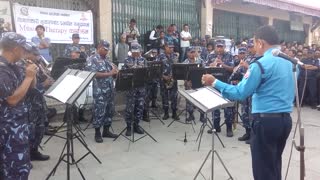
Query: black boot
column 190, row 118
column 154, row 104
column 145, row 116
column 246, row 136
column 217, row 127
column 175, row 116
column 166, row 115
column 128, row 132
column 35, row 155
column 107, row 133
column 97, row 136
column 229, row 130
column 137, row 129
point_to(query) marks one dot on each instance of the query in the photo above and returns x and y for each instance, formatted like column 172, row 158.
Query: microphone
column 278, row 53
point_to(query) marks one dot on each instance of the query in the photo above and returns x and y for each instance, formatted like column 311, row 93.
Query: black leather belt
column 270, row 115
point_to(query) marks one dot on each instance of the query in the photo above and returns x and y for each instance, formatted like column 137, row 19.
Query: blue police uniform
column 189, row 106
column 135, row 98
column 14, row 131
column 228, row 112
column 270, row 82
column 71, row 47
column 169, row 88
column 310, row 79
column 103, row 91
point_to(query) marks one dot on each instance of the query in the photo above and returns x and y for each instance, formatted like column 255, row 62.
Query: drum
column 86, row 98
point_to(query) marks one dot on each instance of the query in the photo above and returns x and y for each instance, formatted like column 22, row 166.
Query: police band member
column 37, row 108
column 135, row 98
column 168, row 86
column 14, row 131
column 103, row 90
column 221, row 58
column 75, row 44
column 151, row 91
column 270, row 82
column 192, row 59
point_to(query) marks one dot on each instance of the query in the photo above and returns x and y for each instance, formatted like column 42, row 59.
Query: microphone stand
column 301, row 147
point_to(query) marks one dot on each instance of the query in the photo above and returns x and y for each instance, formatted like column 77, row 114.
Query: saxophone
column 169, row 82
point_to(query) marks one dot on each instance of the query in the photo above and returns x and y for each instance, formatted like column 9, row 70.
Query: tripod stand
column 181, row 71
column 79, row 80
column 128, row 80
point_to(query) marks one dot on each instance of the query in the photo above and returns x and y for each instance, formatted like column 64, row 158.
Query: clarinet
column 234, row 73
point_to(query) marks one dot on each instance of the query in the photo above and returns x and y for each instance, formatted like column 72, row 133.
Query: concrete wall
column 105, row 20
column 206, row 18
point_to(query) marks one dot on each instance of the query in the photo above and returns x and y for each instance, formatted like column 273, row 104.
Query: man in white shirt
column 154, row 35
column 185, row 41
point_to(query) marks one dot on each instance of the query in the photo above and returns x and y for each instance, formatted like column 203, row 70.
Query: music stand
column 181, row 71
column 127, row 80
column 63, row 92
column 154, row 73
column 199, row 98
column 61, row 64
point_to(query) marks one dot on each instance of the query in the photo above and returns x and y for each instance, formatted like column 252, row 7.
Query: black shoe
column 190, row 118
column 37, row 156
column 97, row 136
column 154, row 105
column 245, row 137
column 128, row 132
column 313, row 107
column 248, row 141
column 218, row 128
column 107, row 133
column 175, row 116
column 229, row 131
column 137, row 129
column 145, row 117
column 165, row 116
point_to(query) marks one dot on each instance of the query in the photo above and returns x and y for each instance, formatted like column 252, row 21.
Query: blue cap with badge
column 191, row 49
column 75, row 49
column 250, row 43
column 135, row 47
column 242, row 50
column 105, row 44
column 10, row 37
column 33, row 48
column 220, row 42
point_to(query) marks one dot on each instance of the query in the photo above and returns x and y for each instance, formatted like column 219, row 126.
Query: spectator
column 43, row 43
column 154, row 35
column 171, row 37
column 132, row 32
column 185, row 41
column 121, row 50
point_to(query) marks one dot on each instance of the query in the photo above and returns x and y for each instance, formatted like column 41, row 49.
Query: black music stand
column 181, row 71
column 154, row 73
column 61, row 64
column 127, row 80
column 199, row 98
column 70, row 98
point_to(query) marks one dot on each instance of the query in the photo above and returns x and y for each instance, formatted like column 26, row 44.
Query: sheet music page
column 66, row 88
column 208, row 98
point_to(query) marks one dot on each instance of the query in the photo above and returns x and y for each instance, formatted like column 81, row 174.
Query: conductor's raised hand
column 208, row 79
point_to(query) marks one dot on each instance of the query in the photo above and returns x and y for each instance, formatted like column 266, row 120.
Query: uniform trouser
column 151, row 93
column 169, row 95
column 245, row 113
column 135, row 105
column 268, row 139
column 228, row 115
column 37, row 128
column 14, row 150
column 103, row 104
column 190, row 110
column 311, row 88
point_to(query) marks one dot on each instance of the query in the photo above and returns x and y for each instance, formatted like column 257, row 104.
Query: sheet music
column 66, row 88
column 208, row 98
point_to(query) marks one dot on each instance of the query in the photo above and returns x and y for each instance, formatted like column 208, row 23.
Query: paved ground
column 171, row 159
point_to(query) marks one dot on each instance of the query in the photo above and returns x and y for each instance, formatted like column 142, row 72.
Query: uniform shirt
column 96, row 63
column 197, row 61
column 11, row 78
column 204, row 53
column 310, row 73
column 132, row 62
column 273, row 91
column 167, row 61
column 68, row 48
column 45, row 52
column 226, row 59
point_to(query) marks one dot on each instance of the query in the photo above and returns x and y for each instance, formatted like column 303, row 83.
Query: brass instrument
column 169, row 83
